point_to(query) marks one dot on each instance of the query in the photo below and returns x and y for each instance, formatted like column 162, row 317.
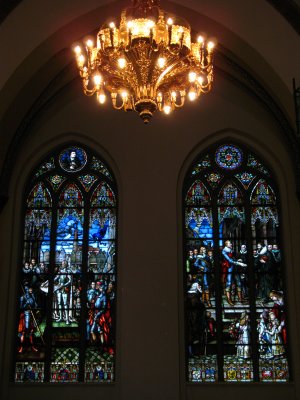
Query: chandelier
column 148, row 63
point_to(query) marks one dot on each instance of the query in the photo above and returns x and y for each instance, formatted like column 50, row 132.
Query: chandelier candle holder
column 148, row 63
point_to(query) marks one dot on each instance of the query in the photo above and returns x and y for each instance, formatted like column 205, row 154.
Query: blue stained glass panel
column 70, row 224
column 102, row 225
column 102, row 257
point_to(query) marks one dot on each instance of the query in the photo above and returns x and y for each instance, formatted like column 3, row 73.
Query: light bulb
column 77, row 50
column 97, row 79
column 81, row 59
column 159, row 97
column 112, row 25
column 101, row 97
column 210, row 45
column 173, row 96
column 122, row 63
column 89, row 43
column 124, row 95
column 161, row 62
column 169, row 21
column 129, row 24
column 167, row 109
column 192, row 76
column 200, row 80
column 192, row 95
column 200, row 39
column 150, row 24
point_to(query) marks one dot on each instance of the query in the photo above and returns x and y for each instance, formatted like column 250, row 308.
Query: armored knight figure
column 27, row 323
column 62, row 287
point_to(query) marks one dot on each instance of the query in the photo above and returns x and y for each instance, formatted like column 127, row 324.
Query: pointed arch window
column 233, row 270
column 67, row 280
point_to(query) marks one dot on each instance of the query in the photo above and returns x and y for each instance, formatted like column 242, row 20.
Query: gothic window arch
column 233, row 270
column 65, row 329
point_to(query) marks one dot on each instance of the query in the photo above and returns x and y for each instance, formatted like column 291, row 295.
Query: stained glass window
column 233, row 270
column 65, row 328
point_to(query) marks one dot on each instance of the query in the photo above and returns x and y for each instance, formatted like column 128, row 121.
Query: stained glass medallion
column 245, row 178
column 72, row 159
column 56, row 181
column 228, row 157
column 87, row 181
column 77, row 231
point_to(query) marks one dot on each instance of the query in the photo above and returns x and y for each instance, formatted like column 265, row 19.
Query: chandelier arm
column 166, row 71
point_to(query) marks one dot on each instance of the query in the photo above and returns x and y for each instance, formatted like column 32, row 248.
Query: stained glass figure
column 72, row 159
column 87, row 181
column 47, row 166
column 263, row 194
column 201, row 165
column 246, row 178
column 229, row 157
column 233, row 271
column 56, row 181
column 67, row 274
column 197, row 194
column 214, row 179
column 103, row 196
column 98, row 166
column 255, row 164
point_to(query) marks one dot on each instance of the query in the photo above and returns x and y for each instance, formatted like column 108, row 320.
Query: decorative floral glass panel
column 67, row 277
column 233, row 271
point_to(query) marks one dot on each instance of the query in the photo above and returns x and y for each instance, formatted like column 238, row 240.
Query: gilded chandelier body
column 147, row 63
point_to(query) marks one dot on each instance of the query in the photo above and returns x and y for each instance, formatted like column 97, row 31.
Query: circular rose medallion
column 229, row 156
column 72, row 159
